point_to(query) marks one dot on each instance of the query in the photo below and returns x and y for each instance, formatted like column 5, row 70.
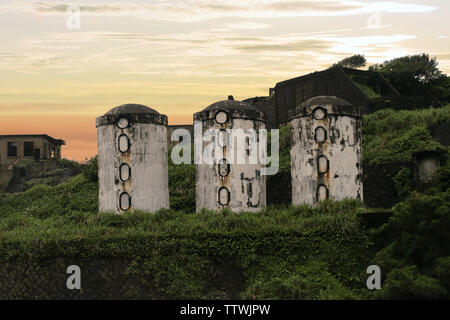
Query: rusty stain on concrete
column 246, row 185
column 341, row 147
column 146, row 156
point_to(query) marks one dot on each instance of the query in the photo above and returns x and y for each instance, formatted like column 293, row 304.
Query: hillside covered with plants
column 281, row 252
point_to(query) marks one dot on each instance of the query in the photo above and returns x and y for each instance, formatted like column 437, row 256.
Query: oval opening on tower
column 221, row 117
column 224, row 196
column 322, row 193
column 125, row 172
column 124, row 143
column 323, row 164
column 222, row 140
column 124, row 201
column 123, row 123
column 224, row 168
column 320, row 135
column 319, row 113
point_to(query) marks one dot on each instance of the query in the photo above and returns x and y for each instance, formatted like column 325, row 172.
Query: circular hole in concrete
column 123, row 123
column 319, row 113
column 221, row 117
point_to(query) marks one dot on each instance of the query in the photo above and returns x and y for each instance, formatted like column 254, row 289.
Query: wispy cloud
column 198, row 10
column 201, row 54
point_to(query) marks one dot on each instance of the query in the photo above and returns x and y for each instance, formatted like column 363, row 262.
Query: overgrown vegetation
column 416, row 248
column 368, row 91
column 279, row 253
column 182, row 185
column 416, row 75
column 394, row 136
column 63, row 221
column 356, row 61
column 90, row 171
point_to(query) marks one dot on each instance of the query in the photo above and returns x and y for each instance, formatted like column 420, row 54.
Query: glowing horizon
column 179, row 57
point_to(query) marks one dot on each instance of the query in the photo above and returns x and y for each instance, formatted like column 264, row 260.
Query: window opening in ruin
column 12, row 149
column 28, row 149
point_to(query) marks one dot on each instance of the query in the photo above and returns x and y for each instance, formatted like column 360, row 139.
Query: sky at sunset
column 180, row 56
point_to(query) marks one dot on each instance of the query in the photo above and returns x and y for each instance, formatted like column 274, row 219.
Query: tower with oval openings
column 132, row 159
column 228, row 167
column 326, row 158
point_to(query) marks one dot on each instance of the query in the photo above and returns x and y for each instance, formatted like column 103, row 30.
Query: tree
column 412, row 75
column 356, row 61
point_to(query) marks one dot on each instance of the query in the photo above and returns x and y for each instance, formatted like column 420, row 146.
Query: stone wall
column 103, row 278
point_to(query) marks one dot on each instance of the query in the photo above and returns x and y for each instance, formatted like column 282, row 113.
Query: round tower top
column 233, row 108
column 330, row 105
column 134, row 113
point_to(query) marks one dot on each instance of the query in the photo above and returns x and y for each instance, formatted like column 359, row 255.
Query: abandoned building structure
column 16, row 148
column 132, row 159
column 326, row 155
column 324, row 111
column 229, row 182
column 368, row 90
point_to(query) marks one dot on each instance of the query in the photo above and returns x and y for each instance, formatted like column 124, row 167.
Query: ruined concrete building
column 368, row 90
column 230, row 183
column 132, row 159
column 14, row 148
column 38, row 149
column 326, row 158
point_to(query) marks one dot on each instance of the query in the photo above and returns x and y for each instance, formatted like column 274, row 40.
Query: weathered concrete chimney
column 228, row 182
column 326, row 157
column 132, row 159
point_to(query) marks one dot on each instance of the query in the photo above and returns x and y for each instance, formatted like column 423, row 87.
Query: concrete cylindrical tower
column 132, row 159
column 229, row 182
column 326, row 159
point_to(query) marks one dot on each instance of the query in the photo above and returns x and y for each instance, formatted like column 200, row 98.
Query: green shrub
column 65, row 163
column 416, row 247
column 90, row 171
column 390, row 136
column 182, row 186
column 441, row 271
column 403, row 182
column 294, row 279
column 408, row 283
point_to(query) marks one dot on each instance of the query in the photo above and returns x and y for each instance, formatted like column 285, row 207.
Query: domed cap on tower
column 321, row 106
column 134, row 113
column 233, row 108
